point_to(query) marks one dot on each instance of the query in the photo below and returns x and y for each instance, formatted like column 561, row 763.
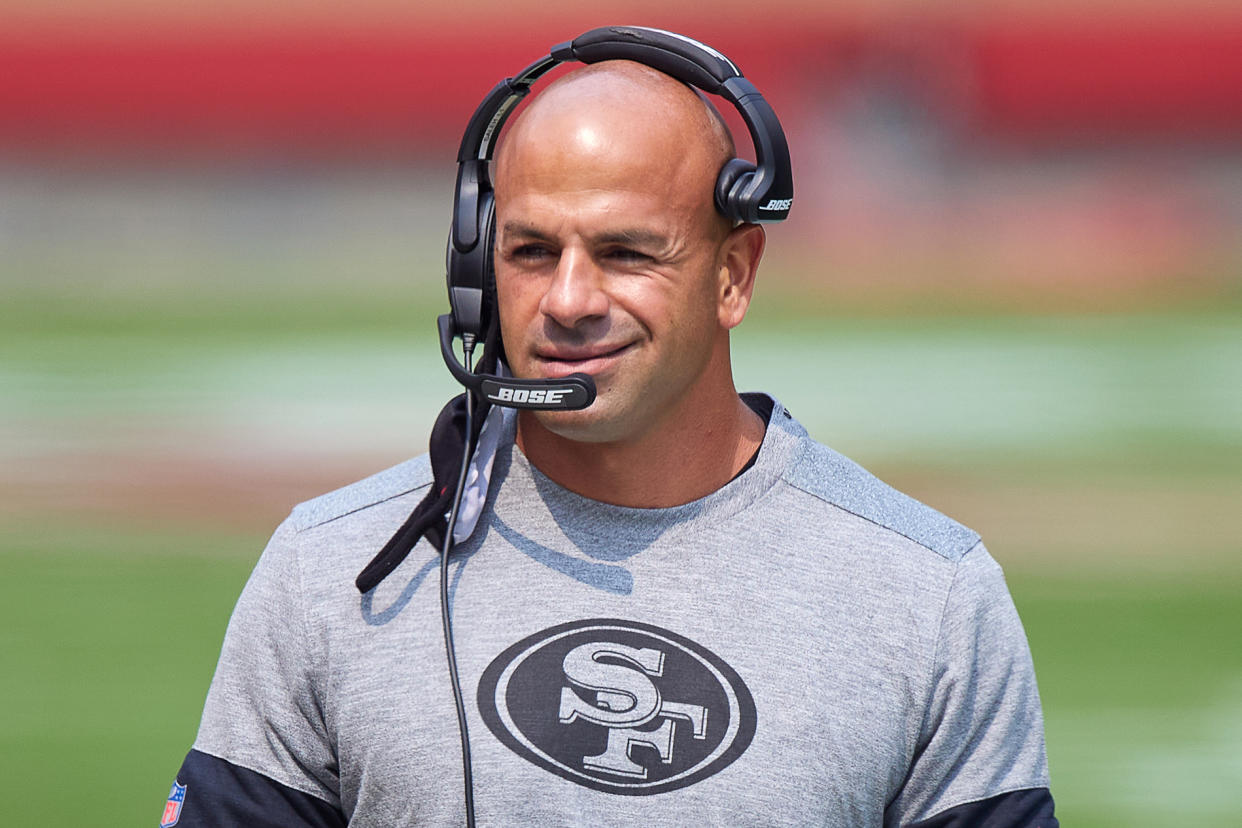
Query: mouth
column 561, row 362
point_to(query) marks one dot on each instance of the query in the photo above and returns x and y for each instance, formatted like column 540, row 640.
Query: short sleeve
column 264, row 712
column 982, row 735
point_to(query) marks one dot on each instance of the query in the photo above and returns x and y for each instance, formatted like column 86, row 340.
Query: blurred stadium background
column 1011, row 286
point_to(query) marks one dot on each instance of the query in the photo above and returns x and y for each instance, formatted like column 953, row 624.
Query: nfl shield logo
column 172, row 810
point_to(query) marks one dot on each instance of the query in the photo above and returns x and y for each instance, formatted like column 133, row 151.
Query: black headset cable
column 445, row 615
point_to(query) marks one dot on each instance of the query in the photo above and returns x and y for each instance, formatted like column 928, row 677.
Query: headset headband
column 765, row 197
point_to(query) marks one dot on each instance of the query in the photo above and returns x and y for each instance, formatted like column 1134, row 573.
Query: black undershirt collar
column 761, row 404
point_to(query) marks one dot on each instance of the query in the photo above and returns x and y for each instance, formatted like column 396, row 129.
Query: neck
column 689, row 454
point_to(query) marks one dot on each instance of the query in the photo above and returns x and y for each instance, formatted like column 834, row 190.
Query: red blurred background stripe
column 1175, row 79
column 411, row 87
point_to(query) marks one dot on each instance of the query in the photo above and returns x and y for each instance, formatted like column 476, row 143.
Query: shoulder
column 316, row 553
column 839, row 483
column 324, row 542
column 410, row 477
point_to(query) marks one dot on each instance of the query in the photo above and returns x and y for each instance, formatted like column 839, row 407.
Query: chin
column 588, row 425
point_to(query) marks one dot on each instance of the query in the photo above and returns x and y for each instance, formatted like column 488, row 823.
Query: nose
column 575, row 293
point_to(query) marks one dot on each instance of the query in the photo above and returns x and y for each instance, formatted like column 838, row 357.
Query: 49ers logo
column 618, row 706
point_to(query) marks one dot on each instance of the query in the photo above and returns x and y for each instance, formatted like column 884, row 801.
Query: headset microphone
column 565, row 394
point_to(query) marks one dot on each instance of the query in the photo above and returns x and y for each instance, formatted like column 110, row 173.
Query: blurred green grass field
column 1099, row 455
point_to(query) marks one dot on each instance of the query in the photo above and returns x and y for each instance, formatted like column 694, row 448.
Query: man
column 676, row 608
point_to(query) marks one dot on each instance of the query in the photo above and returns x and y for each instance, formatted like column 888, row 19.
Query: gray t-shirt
column 804, row 646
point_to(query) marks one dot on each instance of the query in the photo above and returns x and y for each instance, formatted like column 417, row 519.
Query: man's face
column 608, row 262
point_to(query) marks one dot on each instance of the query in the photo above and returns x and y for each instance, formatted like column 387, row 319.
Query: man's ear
column 739, row 261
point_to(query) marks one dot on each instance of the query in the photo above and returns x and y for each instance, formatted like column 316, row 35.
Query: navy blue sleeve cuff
column 1029, row 808
column 212, row 793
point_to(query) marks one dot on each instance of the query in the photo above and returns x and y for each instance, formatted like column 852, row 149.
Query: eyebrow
column 517, row 228
column 630, row 237
column 635, row 238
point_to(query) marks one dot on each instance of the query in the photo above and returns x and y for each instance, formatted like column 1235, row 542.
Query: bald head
column 620, row 121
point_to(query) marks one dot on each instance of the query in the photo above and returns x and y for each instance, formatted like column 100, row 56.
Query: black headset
column 745, row 192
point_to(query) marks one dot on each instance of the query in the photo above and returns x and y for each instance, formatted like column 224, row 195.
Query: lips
column 560, row 362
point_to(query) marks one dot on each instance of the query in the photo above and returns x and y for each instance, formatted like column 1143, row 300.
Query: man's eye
column 626, row 254
column 529, row 252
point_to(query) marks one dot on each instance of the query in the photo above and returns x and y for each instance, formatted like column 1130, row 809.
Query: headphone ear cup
column 487, row 221
column 494, row 347
column 471, row 285
column 733, row 173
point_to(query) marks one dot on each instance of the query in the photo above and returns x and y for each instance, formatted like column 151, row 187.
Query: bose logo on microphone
column 778, row 204
column 535, row 396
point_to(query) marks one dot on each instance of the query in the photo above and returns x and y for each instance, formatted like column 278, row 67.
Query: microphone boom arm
column 570, row 393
